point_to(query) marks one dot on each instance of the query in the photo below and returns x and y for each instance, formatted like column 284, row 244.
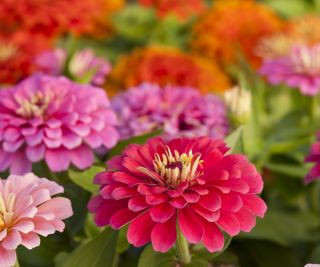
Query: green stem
column 182, row 248
column 313, row 109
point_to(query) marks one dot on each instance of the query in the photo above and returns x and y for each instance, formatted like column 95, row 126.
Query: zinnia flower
column 17, row 52
column 27, row 210
column 180, row 8
column 185, row 184
column 55, row 120
column 233, row 26
column 49, row 17
column 166, row 66
column 179, row 111
column 300, row 68
column 83, row 64
column 314, row 157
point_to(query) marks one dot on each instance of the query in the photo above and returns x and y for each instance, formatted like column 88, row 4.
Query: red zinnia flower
column 186, row 182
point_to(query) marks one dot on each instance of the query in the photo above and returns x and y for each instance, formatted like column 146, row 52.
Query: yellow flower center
column 175, row 168
column 34, row 106
column 6, row 210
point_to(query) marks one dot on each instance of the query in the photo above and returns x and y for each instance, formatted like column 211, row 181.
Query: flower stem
column 182, row 248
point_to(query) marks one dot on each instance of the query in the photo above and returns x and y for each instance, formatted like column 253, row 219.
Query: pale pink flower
column 27, row 210
column 299, row 69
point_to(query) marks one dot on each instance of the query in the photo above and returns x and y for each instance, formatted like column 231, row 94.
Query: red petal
column 123, row 192
column 178, row 203
column 213, row 239
column 122, row 217
column 190, row 225
column 211, row 202
column 191, row 197
column 162, row 212
column 208, row 215
column 163, row 235
column 231, row 202
column 156, row 199
column 254, row 204
column 137, row 203
column 139, row 231
column 246, row 219
column 229, row 223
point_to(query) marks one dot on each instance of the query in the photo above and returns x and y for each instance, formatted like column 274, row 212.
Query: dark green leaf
column 123, row 243
column 85, row 178
column 150, row 258
column 95, row 253
column 141, row 139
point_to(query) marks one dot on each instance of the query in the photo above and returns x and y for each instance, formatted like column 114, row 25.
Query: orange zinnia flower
column 234, row 26
column 17, row 53
column 166, row 66
column 183, row 9
column 49, row 17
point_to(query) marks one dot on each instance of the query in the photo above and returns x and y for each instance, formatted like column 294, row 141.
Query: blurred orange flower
column 183, row 9
column 54, row 17
column 231, row 26
column 303, row 30
column 17, row 52
column 166, row 65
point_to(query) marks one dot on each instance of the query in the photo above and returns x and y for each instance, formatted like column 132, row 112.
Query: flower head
column 180, row 8
column 27, row 210
column 189, row 183
column 17, row 53
column 82, row 64
column 55, row 120
column 48, row 17
column 300, row 68
column 179, row 111
column 219, row 37
column 167, row 66
column 314, row 157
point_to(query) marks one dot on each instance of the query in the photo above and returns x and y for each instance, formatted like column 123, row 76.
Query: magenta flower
column 314, row 157
column 82, row 64
column 189, row 183
column 55, row 120
column 301, row 69
column 180, row 111
column 28, row 210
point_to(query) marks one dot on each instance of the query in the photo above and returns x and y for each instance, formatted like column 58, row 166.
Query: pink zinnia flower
column 28, row 210
column 55, row 120
column 179, row 111
column 301, row 69
column 314, row 157
column 82, row 64
column 189, row 183
column 312, row 265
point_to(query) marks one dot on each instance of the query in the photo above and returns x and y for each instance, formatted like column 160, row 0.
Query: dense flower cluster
column 17, row 53
column 189, row 183
column 83, row 65
column 53, row 119
column 179, row 111
column 49, row 17
column 299, row 69
column 230, row 27
column 180, row 8
column 29, row 210
column 166, row 66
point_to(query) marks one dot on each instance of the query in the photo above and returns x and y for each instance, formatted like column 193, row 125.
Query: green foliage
column 150, row 258
column 94, row 253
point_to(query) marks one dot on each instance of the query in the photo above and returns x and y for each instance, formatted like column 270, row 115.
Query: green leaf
column 123, row 244
column 290, row 8
column 95, row 253
column 285, row 228
column 85, row 178
column 90, row 228
column 150, row 258
column 141, row 139
column 235, row 140
column 293, row 171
